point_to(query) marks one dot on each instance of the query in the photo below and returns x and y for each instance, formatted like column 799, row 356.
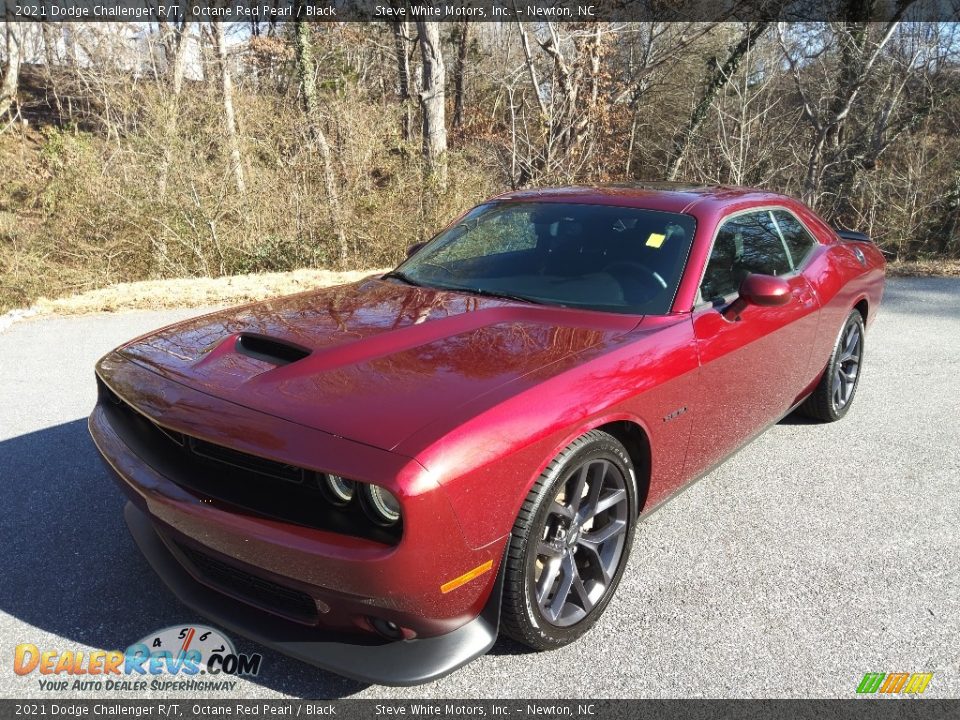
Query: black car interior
column 598, row 255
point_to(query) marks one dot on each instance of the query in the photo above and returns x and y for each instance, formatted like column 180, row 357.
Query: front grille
column 250, row 463
column 257, row 485
column 252, row 589
column 209, row 451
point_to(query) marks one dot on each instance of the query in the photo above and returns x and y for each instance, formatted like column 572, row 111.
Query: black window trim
column 700, row 302
column 813, row 237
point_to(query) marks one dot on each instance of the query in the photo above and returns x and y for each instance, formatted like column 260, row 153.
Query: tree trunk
column 229, row 116
column 432, row 101
column 532, row 70
column 177, row 57
column 400, row 36
column 947, row 242
column 49, row 43
column 463, row 39
column 70, row 44
column 718, row 80
column 306, row 71
column 11, row 71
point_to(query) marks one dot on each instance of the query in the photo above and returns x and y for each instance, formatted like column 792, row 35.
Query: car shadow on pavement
column 69, row 567
column 797, row 418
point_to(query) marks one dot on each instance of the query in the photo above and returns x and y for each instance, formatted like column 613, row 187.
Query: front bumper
column 407, row 662
column 345, row 582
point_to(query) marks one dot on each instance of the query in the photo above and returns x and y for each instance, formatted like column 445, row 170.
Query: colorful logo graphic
column 185, row 651
column 894, row 683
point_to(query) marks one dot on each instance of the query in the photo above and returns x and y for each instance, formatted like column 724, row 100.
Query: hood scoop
column 271, row 350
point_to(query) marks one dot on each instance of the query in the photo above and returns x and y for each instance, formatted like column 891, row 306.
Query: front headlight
column 339, row 490
column 381, row 505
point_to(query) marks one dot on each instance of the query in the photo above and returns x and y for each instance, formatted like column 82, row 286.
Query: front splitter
column 405, row 662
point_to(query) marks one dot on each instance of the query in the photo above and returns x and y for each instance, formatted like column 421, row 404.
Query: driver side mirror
column 414, row 249
column 765, row 290
column 760, row 290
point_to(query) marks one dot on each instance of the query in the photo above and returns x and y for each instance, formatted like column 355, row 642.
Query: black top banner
column 184, row 708
column 584, row 11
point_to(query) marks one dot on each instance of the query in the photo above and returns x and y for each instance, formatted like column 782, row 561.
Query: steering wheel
column 638, row 282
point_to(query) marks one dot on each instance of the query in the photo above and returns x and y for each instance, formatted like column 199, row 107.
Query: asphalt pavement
column 818, row 553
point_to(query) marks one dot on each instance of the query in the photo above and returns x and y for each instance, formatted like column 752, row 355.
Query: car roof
column 665, row 196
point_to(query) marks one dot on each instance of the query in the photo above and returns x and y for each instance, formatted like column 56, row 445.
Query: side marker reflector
column 466, row 577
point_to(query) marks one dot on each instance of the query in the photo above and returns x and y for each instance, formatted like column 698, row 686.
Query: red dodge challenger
column 378, row 478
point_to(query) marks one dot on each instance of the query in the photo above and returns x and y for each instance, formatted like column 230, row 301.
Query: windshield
column 598, row 257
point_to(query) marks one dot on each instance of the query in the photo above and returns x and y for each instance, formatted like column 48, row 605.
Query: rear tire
column 570, row 543
column 837, row 388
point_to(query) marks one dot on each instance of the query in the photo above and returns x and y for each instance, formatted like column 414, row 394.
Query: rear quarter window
column 799, row 242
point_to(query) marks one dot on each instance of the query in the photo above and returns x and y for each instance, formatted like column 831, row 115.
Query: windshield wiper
column 500, row 295
column 402, row 277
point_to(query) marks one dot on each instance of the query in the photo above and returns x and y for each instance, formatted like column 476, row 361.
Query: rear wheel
column 570, row 543
column 834, row 395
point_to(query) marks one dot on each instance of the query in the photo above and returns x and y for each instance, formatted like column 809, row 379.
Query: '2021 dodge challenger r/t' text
column 378, row 478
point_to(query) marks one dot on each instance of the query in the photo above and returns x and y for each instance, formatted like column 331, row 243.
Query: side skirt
column 645, row 514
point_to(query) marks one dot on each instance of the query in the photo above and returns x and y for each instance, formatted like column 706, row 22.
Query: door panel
column 751, row 371
column 754, row 365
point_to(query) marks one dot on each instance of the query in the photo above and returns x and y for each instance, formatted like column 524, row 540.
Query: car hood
column 373, row 361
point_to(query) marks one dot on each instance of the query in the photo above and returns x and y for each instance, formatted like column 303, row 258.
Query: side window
column 745, row 244
column 795, row 235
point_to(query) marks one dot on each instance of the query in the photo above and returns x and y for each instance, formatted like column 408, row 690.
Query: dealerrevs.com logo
column 894, row 683
column 181, row 657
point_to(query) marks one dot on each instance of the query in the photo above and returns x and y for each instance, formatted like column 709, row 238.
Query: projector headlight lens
column 340, row 490
column 381, row 505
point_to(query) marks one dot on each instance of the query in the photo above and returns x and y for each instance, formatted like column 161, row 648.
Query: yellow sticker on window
column 656, row 240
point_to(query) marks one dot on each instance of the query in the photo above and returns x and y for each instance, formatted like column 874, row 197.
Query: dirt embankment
column 188, row 292
column 197, row 292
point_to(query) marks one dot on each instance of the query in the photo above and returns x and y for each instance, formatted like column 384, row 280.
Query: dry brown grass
column 924, row 268
column 80, row 208
column 196, row 292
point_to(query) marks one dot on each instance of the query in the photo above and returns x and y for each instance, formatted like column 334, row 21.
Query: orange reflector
column 466, row 577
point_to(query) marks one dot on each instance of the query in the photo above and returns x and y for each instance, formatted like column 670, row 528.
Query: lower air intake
column 252, row 589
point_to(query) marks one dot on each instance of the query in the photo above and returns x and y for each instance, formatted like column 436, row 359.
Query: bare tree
column 827, row 107
column 946, row 235
column 720, row 76
column 174, row 39
column 50, row 34
column 532, row 70
column 401, row 39
column 652, row 50
column 432, row 102
column 567, row 107
column 229, row 116
column 306, row 72
column 754, row 126
column 463, row 38
column 10, row 80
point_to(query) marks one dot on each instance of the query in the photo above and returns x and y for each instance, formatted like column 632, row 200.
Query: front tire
column 570, row 543
column 834, row 394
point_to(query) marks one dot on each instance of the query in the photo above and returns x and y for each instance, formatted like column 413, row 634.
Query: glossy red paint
column 765, row 290
column 456, row 404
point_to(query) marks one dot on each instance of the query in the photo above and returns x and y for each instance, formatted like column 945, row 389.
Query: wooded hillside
column 181, row 149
